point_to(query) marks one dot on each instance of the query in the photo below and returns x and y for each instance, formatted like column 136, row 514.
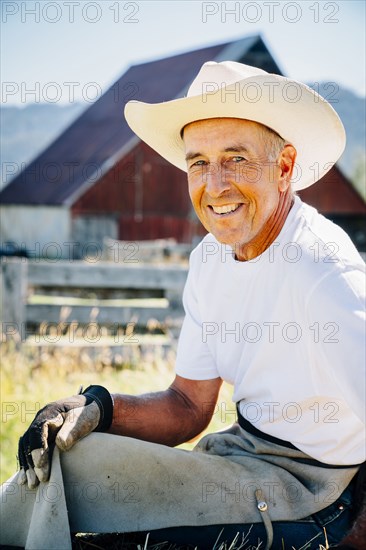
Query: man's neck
column 270, row 230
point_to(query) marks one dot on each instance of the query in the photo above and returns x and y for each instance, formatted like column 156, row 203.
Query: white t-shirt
column 287, row 329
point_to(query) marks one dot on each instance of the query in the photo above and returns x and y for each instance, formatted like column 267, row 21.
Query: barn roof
column 100, row 137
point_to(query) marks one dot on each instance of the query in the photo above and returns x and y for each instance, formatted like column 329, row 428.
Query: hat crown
column 213, row 76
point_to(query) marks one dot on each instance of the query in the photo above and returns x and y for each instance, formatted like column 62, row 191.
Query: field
column 33, row 376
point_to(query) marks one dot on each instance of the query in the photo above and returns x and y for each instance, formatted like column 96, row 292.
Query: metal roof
column 96, row 140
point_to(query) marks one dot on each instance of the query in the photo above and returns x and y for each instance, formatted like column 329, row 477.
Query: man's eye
column 233, row 162
column 197, row 163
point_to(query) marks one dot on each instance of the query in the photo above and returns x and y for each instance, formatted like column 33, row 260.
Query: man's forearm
column 169, row 417
column 164, row 417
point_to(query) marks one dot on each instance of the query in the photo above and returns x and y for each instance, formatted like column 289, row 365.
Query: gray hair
column 274, row 143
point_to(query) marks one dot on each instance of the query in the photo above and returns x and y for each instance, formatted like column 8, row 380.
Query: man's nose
column 216, row 180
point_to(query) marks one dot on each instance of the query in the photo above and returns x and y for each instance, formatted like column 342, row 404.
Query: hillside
column 27, row 131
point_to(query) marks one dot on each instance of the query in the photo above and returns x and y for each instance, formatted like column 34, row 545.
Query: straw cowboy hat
column 229, row 89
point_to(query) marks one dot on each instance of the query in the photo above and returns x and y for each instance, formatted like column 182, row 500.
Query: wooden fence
column 154, row 251
column 65, row 301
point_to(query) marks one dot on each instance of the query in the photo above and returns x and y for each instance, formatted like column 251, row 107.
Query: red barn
column 99, row 180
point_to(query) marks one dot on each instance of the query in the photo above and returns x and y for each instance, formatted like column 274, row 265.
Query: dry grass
column 141, row 542
column 137, row 541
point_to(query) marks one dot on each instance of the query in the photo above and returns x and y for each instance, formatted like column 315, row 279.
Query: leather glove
column 63, row 423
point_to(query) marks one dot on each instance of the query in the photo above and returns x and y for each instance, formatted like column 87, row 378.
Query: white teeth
column 225, row 209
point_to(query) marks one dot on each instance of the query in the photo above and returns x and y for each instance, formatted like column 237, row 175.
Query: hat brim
column 295, row 111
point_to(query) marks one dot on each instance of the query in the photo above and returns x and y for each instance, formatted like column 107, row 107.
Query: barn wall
column 89, row 233
column 42, row 230
column 147, row 196
column 334, row 194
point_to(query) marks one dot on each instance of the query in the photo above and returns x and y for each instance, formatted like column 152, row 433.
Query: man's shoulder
column 327, row 258
column 323, row 241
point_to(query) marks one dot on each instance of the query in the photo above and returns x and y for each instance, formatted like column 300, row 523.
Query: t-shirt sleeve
column 194, row 359
column 336, row 314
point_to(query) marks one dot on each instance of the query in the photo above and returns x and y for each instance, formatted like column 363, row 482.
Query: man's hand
column 63, row 422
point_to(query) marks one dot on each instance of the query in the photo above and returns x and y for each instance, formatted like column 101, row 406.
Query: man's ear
column 286, row 163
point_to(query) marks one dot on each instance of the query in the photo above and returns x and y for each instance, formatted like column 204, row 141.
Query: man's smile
column 225, row 209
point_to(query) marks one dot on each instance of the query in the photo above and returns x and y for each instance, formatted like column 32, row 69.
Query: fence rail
column 37, row 294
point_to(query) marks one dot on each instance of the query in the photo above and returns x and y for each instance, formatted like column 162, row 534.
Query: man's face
column 233, row 187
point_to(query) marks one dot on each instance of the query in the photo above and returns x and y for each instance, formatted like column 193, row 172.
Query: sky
column 66, row 51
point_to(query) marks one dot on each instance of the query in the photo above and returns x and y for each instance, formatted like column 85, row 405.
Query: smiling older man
column 274, row 306
column 240, row 197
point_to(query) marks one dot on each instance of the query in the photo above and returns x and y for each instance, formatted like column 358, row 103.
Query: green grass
column 33, row 376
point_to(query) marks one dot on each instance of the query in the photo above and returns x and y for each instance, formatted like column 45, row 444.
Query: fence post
column 174, row 295
column 13, row 297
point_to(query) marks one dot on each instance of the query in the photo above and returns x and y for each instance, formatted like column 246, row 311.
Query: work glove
column 63, row 423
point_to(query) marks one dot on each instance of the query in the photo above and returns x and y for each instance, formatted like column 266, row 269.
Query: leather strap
column 103, row 399
column 248, row 427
